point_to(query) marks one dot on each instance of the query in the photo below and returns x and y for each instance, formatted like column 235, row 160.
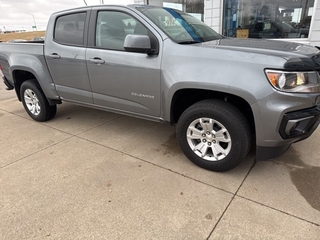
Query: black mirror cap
column 138, row 43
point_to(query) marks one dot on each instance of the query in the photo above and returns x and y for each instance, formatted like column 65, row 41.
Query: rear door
column 65, row 55
column 124, row 81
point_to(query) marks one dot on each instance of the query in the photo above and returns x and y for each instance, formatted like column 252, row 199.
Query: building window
column 193, row 7
column 268, row 18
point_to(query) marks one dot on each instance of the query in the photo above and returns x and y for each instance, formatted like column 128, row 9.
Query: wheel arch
column 184, row 98
column 21, row 75
column 25, row 67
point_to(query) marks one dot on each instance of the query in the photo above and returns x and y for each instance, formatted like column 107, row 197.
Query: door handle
column 54, row 55
column 97, row 60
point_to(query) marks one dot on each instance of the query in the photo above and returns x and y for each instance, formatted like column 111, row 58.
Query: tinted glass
column 179, row 26
column 193, row 7
column 69, row 29
column 112, row 28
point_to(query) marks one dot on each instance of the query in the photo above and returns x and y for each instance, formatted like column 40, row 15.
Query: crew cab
column 224, row 95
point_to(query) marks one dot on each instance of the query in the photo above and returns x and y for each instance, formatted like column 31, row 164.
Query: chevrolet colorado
column 225, row 95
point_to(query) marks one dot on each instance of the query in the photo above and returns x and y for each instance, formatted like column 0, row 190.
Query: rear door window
column 69, row 29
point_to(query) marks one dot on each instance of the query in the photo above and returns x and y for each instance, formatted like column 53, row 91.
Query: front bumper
column 299, row 124
column 7, row 83
column 295, row 126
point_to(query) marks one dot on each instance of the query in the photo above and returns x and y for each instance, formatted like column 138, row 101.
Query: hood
column 299, row 56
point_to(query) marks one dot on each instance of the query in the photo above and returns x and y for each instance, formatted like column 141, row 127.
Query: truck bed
column 20, row 52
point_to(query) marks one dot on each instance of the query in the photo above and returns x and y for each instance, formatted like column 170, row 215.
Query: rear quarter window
column 69, row 29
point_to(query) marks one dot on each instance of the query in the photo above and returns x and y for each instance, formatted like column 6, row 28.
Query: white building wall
column 156, row 2
column 314, row 36
column 213, row 14
column 140, row 1
column 150, row 2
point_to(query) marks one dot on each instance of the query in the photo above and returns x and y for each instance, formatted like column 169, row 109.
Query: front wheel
column 214, row 135
column 35, row 102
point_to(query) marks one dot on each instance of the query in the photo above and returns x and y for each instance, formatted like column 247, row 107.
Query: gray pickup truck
column 225, row 95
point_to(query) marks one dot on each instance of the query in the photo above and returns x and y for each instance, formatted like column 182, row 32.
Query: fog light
column 297, row 125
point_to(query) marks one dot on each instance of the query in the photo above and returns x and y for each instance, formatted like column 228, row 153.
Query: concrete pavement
column 89, row 174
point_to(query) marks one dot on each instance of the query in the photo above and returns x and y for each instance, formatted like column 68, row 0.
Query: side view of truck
column 224, row 95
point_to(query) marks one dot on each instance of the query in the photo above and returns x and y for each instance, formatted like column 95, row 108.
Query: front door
column 120, row 80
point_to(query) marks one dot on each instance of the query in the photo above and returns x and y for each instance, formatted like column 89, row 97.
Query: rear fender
column 36, row 66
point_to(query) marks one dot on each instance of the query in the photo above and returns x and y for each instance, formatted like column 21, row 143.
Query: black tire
column 35, row 103
column 219, row 135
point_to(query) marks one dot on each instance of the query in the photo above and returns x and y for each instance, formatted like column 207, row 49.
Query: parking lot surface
column 89, row 174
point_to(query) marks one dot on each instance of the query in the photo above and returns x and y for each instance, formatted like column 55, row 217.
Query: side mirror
column 138, row 43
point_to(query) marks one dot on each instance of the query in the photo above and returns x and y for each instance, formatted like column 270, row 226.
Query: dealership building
column 290, row 20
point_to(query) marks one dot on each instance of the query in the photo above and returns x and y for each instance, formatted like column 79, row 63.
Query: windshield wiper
column 189, row 42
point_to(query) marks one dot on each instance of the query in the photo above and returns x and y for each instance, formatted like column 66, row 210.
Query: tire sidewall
column 238, row 149
column 42, row 116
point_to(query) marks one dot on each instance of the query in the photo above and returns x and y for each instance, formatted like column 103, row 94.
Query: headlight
column 294, row 81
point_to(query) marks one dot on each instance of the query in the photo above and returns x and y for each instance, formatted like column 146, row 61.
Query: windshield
column 180, row 26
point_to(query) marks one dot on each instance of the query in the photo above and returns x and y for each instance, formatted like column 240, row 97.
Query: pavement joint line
column 99, row 125
column 170, row 170
column 10, row 112
column 27, row 118
column 57, row 129
column 156, row 165
column 77, row 136
column 231, row 200
column 40, row 150
column 278, row 210
column 43, row 124
column 143, row 160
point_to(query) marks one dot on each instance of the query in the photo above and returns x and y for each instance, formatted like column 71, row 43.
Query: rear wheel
column 214, row 135
column 35, row 102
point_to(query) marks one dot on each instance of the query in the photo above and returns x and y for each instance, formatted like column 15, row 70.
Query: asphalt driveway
column 89, row 174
